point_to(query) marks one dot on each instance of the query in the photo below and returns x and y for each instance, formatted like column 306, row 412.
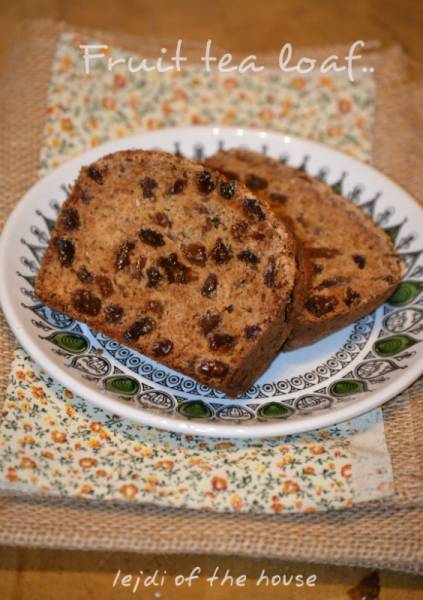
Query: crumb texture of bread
column 177, row 262
column 353, row 264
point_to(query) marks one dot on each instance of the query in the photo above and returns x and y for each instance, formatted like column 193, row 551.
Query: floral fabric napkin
column 55, row 443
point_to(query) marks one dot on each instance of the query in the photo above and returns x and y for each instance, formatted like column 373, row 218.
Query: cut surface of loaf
column 177, row 262
column 353, row 264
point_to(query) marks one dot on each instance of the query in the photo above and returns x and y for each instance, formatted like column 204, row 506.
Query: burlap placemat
column 384, row 534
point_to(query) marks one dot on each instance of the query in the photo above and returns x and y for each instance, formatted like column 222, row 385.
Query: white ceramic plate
column 348, row 373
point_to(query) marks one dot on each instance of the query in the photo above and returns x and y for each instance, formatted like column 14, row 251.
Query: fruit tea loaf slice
column 177, row 262
column 354, row 266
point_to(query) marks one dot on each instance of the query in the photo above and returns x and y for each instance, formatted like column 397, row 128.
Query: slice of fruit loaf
column 176, row 262
column 354, row 266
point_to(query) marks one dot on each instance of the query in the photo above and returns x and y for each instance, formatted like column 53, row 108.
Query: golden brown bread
column 354, row 266
column 176, row 262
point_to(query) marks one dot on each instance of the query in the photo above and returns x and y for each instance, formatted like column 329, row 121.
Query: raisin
column 221, row 341
column 176, row 271
column 248, row 257
column 205, row 183
column 141, row 327
column 66, row 252
column 113, row 313
column 70, row 218
column 230, row 308
column 270, row 273
column 239, row 230
column 227, row 189
column 148, row 185
column 317, row 268
column 209, row 321
column 105, row 285
column 253, row 209
column 162, row 348
column 359, row 260
column 351, row 297
column 178, row 186
column 95, row 174
column 332, row 282
column 213, row 369
column 252, row 331
column 254, row 182
column 83, row 194
column 259, row 236
column 153, row 277
column 151, row 237
column 221, row 252
column 209, row 286
column 84, row 275
column 123, row 255
column 321, row 305
column 229, row 175
column 322, row 252
column 86, row 302
column 154, row 306
column 161, row 219
column 196, row 254
column 279, row 198
column 138, row 272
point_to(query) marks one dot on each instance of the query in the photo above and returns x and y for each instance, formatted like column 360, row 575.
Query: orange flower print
column 344, row 105
column 86, row 489
column 166, row 464
column 20, row 374
column 101, row 473
column 290, row 487
column 119, row 80
column 37, row 391
column 266, row 114
column 317, row 450
column 276, row 504
column 70, row 411
column 334, row 131
column 346, row 471
column 284, row 461
column 86, row 462
column 236, row 502
column 58, row 436
column 128, row 491
column 298, row 83
column 48, row 454
column 68, row 394
column 94, row 443
column 12, row 475
column 28, row 463
column 26, row 440
column 230, row 83
column 66, row 124
column 309, row 470
column 108, row 103
column 219, row 483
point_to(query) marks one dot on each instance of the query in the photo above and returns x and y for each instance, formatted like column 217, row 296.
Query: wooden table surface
column 240, row 26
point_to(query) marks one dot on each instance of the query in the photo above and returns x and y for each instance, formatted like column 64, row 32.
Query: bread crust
column 353, row 264
column 134, row 214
